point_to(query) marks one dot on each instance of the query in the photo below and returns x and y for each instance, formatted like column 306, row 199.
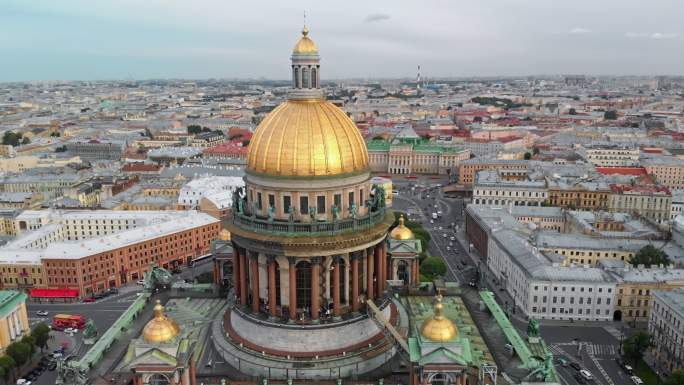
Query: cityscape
column 344, row 211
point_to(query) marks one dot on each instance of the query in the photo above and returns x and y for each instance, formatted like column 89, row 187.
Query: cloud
column 660, row 35
column 579, row 30
column 654, row 35
column 374, row 17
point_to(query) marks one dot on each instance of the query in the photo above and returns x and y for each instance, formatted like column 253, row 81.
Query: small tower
column 306, row 65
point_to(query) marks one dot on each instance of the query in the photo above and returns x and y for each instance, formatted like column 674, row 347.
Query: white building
column 492, row 190
column 666, row 325
column 208, row 186
column 610, row 155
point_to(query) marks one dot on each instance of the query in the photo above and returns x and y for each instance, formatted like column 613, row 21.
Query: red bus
column 63, row 321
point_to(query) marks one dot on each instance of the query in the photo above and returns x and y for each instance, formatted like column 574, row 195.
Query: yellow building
column 14, row 322
column 634, row 292
column 21, row 274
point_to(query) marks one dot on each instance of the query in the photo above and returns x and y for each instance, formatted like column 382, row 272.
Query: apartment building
column 666, row 325
column 467, row 169
column 654, row 202
column 493, row 189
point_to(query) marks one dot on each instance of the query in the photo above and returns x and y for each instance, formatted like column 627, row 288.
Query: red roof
column 140, row 167
column 54, row 293
column 633, row 171
column 229, row 148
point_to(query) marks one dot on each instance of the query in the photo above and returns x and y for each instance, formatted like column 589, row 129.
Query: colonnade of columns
column 369, row 265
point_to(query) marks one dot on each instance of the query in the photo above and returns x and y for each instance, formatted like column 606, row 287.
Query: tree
column 527, row 156
column 41, row 334
column 535, row 151
column 610, row 115
column 31, row 342
column 433, row 267
column 194, row 129
column 636, row 345
column 61, row 149
column 675, row 378
column 4, row 374
column 20, row 353
column 572, row 111
column 26, row 140
column 650, row 256
column 11, row 138
column 6, row 363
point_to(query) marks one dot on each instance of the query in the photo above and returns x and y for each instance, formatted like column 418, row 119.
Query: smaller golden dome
column 438, row 328
column 160, row 329
column 305, row 45
column 224, row 235
column 401, row 232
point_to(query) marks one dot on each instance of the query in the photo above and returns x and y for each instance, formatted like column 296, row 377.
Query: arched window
column 158, row 379
column 314, row 78
column 305, row 78
column 303, row 285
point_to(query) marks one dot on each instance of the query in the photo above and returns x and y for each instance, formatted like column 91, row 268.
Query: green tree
column 26, row 140
column 535, row 151
column 41, row 334
column 675, row 378
column 4, row 374
column 20, row 353
column 650, row 256
column 610, row 115
column 527, row 156
column 572, row 111
column 433, row 267
column 7, row 363
column 194, row 129
column 31, row 342
column 636, row 345
column 11, row 138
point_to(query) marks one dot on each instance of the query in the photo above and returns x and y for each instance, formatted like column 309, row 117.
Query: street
column 599, row 343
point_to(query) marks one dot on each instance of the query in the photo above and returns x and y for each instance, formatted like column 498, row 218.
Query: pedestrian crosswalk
column 601, row 350
column 590, row 348
column 37, row 320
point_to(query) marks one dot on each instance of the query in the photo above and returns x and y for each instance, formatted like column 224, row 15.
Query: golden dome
column 224, row 235
column 401, row 232
column 306, row 138
column 160, row 329
column 438, row 328
column 305, row 45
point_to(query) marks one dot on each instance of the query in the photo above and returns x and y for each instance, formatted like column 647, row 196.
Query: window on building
column 351, row 199
column 287, row 202
column 259, row 203
column 320, row 204
column 304, row 205
column 271, row 200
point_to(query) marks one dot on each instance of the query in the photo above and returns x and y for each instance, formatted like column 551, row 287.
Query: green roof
column 474, row 349
column 9, row 300
column 419, row 145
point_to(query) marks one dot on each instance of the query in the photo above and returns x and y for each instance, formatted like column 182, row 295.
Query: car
column 141, row 282
column 52, row 366
column 445, row 235
column 89, row 299
column 586, row 374
column 636, row 380
column 23, row 381
column 452, row 238
column 57, row 355
column 70, row 330
column 42, row 313
column 580, row 379
column 573, row 365
column 472, row 283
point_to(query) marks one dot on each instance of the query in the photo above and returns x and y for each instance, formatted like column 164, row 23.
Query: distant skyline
column 199, row 39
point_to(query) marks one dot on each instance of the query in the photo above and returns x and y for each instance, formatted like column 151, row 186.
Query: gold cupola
column 305, row 46
column 307, row 136
column 401, row 232
column 160, row 329
column 438, row 328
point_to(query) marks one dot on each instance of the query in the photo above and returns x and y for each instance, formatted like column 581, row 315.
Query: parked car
column 52, row 366
column 580, row 379
column 89, row 299
column 23, row 381
column 637, row 381
column 627, row 368
column 574, row 365
column 70, row 330
column 141, row 282
column 42, row 313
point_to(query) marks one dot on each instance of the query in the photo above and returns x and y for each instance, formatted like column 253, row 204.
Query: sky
column 200, row 39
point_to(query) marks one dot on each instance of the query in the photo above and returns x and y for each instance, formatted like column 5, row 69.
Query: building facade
column 14, row 322
column 414, row 155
